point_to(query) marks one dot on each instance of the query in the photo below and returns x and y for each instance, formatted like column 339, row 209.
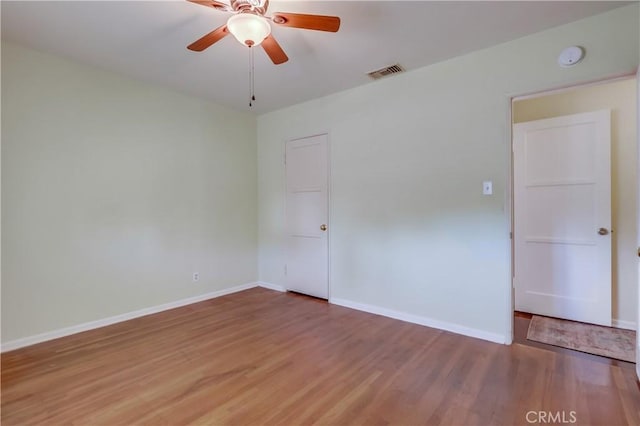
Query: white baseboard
column 270, row 286
column 627, row 325
column 50, row 335
column 429, row 322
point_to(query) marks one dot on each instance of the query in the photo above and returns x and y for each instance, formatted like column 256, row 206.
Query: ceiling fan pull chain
column 253, row 77
column 252, row 96
column 250, row 78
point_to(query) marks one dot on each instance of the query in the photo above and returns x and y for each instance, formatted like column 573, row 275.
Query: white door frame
column 329, row 205
column 638, row 230
column 509, row 208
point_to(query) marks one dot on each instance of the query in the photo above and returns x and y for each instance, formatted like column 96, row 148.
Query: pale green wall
column 113, row 192
column 620, row 98
column 410, row 229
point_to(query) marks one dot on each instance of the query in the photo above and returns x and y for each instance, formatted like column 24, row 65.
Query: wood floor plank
column 263, row 357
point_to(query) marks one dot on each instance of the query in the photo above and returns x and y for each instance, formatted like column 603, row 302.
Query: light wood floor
column 262, row 357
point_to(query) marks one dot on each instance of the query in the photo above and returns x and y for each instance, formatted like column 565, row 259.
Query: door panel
column 562, row 197
column 555, row 213
column 306, row 212
column 572, row 147
column 307, row 249
column 560, row 270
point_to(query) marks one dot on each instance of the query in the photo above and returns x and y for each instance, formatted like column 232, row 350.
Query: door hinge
column 511, row 235
column 285, row 269
column 285, row 158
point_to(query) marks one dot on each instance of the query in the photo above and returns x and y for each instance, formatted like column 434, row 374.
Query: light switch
column 487, row 187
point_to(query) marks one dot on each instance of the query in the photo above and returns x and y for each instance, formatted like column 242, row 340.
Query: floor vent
column 383, row 72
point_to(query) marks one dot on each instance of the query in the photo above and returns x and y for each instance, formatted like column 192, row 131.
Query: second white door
column 307, row 210
column 562, row 217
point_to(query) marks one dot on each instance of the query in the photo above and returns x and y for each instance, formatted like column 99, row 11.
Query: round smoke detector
column 570, row 56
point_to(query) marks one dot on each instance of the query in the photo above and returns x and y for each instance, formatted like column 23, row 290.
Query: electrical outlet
column 196, row 276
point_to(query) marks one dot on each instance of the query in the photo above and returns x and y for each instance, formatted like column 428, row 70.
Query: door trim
column 283, row 152
column 638, row 217
column 510, row 98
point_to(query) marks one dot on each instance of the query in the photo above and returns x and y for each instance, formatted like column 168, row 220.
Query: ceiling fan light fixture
column 249, row 29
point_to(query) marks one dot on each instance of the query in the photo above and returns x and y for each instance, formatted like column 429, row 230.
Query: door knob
column 603, row 231
column 323, row 227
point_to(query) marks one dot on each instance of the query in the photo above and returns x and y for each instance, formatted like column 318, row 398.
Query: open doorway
column 574, row 210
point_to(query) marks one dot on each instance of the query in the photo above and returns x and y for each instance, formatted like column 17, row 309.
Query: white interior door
column 562, row 217
column 307, row 248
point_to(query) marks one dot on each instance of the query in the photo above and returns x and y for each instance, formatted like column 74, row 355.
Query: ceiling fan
column 251, row 27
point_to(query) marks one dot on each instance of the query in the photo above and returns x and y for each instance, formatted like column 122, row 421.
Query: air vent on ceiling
column 383, row 72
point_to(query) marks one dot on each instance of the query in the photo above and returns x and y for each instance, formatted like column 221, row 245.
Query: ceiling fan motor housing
column 256, row 6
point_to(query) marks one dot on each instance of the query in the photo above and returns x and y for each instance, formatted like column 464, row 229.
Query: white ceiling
column 147, row 40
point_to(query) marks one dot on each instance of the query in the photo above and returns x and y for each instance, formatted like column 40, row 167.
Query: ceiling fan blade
column 273, row 49
column 307, row 22
column 212, row 3
column 206, row 41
